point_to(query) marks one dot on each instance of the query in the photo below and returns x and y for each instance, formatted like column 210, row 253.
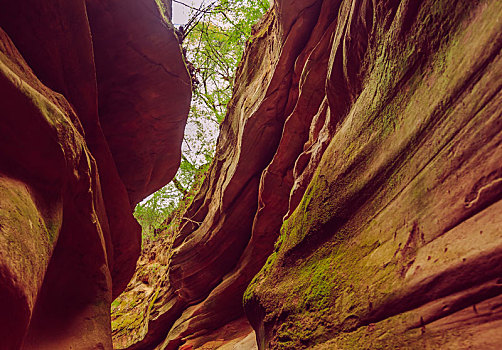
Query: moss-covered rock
column 350, row 270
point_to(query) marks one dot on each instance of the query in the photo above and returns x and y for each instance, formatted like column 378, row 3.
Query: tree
column 213, row 40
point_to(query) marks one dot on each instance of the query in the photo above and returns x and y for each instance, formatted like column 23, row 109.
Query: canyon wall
column 355, row 197
column 94, row 100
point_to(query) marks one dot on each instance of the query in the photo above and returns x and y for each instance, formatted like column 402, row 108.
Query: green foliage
column 162, row 211
column 213, row 40
column 152, row 212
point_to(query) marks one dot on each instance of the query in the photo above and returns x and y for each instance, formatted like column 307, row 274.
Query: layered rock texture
column 359, row 167
column 94, row 99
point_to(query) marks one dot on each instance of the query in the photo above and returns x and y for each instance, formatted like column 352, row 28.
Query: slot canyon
column 354, row 200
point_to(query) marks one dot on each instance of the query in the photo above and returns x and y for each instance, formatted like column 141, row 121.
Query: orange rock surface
column 359, row 167
column 68, row 241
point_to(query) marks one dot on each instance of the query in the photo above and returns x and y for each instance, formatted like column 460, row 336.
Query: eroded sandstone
column 359, row 168
column 68, row 242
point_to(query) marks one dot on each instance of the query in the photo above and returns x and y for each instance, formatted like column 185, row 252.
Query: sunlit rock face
column 355, row 197
column 68, row 241
column 393, row 237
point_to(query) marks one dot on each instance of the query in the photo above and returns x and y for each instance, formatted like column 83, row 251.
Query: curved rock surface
column 359, row 168
column 68, row 241
column 144, row 91
column 396, row 241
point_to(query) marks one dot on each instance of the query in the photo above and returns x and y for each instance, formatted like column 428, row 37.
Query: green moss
column 312, row 213
column 128, row 316
column 329, row 284
column 163, row 10
column 152, row 301
column 27, row 237
column 318, row 284
column 126, row 323
column 295, row 333
column 248, row 294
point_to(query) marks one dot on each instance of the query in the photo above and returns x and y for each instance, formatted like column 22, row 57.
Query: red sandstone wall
column 68, row 241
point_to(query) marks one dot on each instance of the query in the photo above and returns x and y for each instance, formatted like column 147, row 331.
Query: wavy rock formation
column 396, row 241
column 70, row 146
column 359, row 167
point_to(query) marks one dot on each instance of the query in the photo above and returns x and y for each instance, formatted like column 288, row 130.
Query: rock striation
column 70, row 153
column 392, row 235
column 357, row 177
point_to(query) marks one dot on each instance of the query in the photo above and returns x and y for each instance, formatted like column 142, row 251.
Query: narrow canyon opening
column 250, row 174
column 213, row 36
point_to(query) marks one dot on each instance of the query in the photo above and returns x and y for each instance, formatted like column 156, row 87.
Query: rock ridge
column 69, row 242
column 355, row 194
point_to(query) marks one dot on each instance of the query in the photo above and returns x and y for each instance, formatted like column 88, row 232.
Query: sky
column 181, row 13
column 192, row 140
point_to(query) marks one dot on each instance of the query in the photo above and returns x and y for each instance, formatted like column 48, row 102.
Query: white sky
column 181, row 13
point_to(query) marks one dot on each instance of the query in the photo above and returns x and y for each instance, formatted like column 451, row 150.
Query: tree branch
column 180, row 187
column 205, row 10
